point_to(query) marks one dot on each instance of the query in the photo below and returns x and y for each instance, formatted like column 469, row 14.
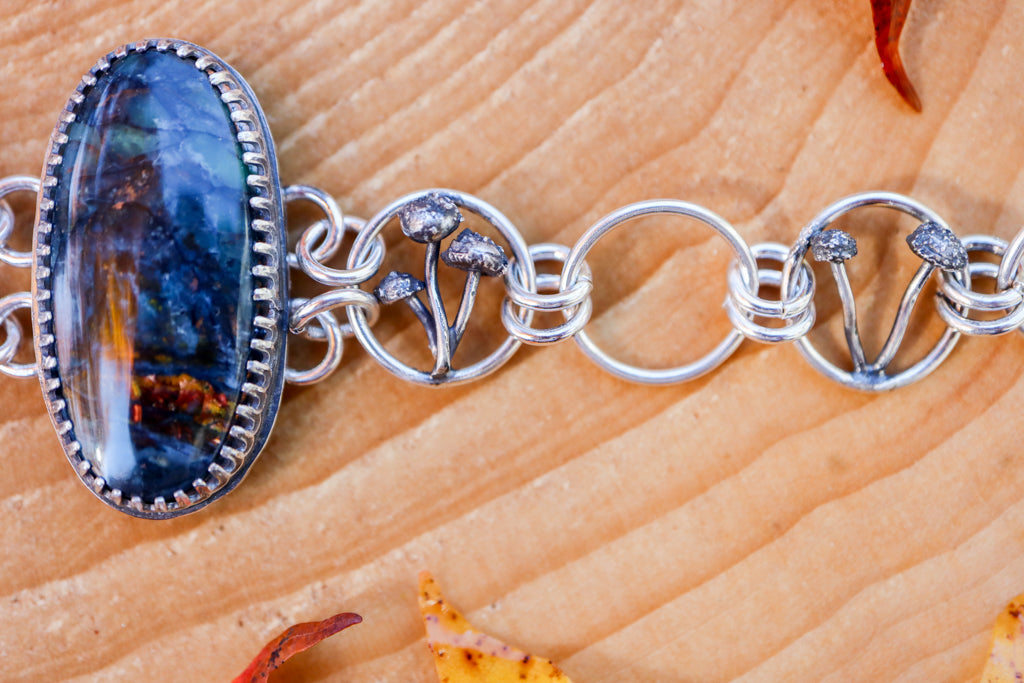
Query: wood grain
column 760, row 524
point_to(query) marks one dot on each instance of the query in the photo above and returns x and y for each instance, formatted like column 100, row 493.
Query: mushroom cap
column 834, row 246
column 472, row 251
column 397, row 286
column 938, row 246
column 430, row 218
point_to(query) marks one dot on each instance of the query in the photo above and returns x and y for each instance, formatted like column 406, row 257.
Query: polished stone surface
column 152, row 291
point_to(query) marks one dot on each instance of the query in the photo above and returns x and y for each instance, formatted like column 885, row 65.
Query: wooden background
column 760, row 524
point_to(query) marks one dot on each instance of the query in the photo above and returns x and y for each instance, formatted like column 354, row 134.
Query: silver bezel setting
column 260, row 393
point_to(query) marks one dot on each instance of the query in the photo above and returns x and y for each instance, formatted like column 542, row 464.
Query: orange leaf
column 464, row 655
column 292, row 641
column 889, row 16
column 1006, row 661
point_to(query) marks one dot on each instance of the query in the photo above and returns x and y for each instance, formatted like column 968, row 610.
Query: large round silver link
column 332, row 356
column 307, row 309
column 873, row 382
column 954, row 301
column 8, row 305
column 360, row 253
column 8, row 186
column 306, row 258
column 335, row 220
column 742, row 305
column 574, row 302
column 683, row 373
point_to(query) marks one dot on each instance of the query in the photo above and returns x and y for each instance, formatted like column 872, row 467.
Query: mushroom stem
column 424, row 316
column 902, row 321
column 842, row 279
column 442, row 342
column 469, row 290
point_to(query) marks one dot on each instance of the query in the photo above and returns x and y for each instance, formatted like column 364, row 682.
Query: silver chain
column 430, row 216
column 788, row 318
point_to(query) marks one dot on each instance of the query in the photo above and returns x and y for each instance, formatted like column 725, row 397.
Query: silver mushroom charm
column 937, row 246
column 429, row 220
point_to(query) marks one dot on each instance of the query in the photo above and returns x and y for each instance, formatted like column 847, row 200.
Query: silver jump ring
column 12, row 340
column 718, row 355
column 1013, row 257
column 953, row 295
column 557, row 299
column 305, row 310
column 742, row 305
column 307, row 260
column 8, row 305
column 335, row 228
column 10, row 185
column 790, row 285
column 360, row 254
column 332, row 357
column 574, row 302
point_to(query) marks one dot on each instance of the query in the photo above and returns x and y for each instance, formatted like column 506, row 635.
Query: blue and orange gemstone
column 160, row 279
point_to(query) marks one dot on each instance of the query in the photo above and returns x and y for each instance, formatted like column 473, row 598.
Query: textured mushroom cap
column 472, row 251
column 397, row 286
column 834, row 246
column 430, row 218
column 938, row 246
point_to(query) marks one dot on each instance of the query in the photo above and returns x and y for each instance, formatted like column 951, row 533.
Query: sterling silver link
column 574, row 302
column 955, row 300
column 8, row 186
column 8, row 305
column 13, row 334
column 307, row 259
column 332, row 227
column 427, row 217
column 743, row 305
column 12, row 340
column 330, row 332
column 870, row 376
column 574, row 264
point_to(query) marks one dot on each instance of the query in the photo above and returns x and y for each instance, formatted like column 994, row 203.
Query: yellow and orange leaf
column 292, row 641
column 464, row 655
column 1006, row 661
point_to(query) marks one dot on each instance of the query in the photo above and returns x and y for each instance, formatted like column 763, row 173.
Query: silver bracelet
column 160, row 282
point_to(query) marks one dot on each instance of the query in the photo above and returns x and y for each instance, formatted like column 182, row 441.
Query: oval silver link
column 335, row 220
column 953, row 295
column 307, row 260
column 683, row 373
column 10, row 185
column 742, row 305
column 871, row 378
column 332, row 357
column 8, row 305
column 305, row 310
column 574, row 302
column 357, row 318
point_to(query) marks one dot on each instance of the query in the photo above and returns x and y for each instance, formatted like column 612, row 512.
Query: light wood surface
column 760, row 524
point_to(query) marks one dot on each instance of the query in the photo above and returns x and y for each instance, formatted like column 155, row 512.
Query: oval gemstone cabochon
column 151, row 261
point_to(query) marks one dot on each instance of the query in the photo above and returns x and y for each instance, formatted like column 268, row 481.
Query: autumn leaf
column 889, row 17
column 464, row 655
column 292, row 641
column 1006, row 661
